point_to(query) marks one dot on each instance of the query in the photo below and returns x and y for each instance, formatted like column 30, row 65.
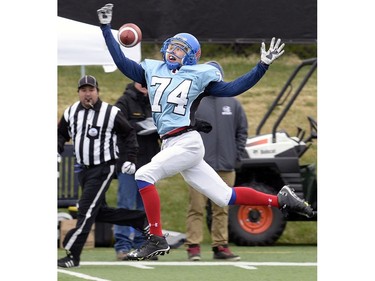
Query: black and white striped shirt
column 99, row 134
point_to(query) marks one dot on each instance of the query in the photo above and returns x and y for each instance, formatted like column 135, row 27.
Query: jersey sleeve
column 128, row 67
column 238, row 86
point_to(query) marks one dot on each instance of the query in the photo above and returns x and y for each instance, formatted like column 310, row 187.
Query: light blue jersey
column 172, row 93
column 175, row 96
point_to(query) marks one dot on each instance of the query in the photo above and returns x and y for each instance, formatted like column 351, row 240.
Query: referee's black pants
column 92, row 206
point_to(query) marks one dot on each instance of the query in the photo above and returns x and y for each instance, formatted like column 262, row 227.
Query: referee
column 103, row 139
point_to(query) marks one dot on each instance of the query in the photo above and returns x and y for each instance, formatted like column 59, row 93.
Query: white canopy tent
column 83, row 44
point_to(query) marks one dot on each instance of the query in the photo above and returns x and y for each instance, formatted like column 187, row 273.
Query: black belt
column 177, row 132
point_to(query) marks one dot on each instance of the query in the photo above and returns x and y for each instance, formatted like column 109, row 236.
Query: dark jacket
column 136, row 107
column 226, row 142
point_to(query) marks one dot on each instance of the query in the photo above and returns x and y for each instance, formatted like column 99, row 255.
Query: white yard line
column 152, row 264
column 80, row 275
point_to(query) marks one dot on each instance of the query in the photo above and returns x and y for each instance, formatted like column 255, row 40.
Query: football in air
column 129, row 35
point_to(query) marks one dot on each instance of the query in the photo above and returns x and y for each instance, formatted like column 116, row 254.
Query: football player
column 176, row 84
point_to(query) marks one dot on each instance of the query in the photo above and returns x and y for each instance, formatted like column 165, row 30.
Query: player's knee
column 221, row 202
column 139, row 175
column 143, row 175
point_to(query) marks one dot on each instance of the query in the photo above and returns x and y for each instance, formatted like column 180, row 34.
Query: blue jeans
column 128, row 196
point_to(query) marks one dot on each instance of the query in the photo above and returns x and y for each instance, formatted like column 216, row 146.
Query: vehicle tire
column 255, row 225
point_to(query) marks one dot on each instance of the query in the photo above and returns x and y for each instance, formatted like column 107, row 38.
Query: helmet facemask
column 185, row 42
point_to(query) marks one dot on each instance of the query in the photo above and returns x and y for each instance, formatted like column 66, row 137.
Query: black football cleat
column 289, row 201
column 154, row 246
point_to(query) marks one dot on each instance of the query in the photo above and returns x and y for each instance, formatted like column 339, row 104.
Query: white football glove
column 128, row 168
column 273, row 52
column 105, row 14
column 58, row 158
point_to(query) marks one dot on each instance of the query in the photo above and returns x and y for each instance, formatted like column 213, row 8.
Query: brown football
column 129, row 35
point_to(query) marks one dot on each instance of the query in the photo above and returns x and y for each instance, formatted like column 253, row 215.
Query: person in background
column 224, row 146
column 103, row 140
column 135, row 105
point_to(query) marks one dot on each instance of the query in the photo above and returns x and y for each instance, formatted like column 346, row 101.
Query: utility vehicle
column 274, row 161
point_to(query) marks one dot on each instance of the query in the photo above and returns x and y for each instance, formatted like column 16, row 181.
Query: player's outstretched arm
column 248, row 80
column 105, row 14
column 274, row 52
column 128, row 67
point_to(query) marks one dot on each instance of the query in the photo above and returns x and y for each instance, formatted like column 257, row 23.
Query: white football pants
column 184, row 154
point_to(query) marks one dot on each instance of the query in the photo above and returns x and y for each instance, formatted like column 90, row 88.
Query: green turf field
column 284, row 262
